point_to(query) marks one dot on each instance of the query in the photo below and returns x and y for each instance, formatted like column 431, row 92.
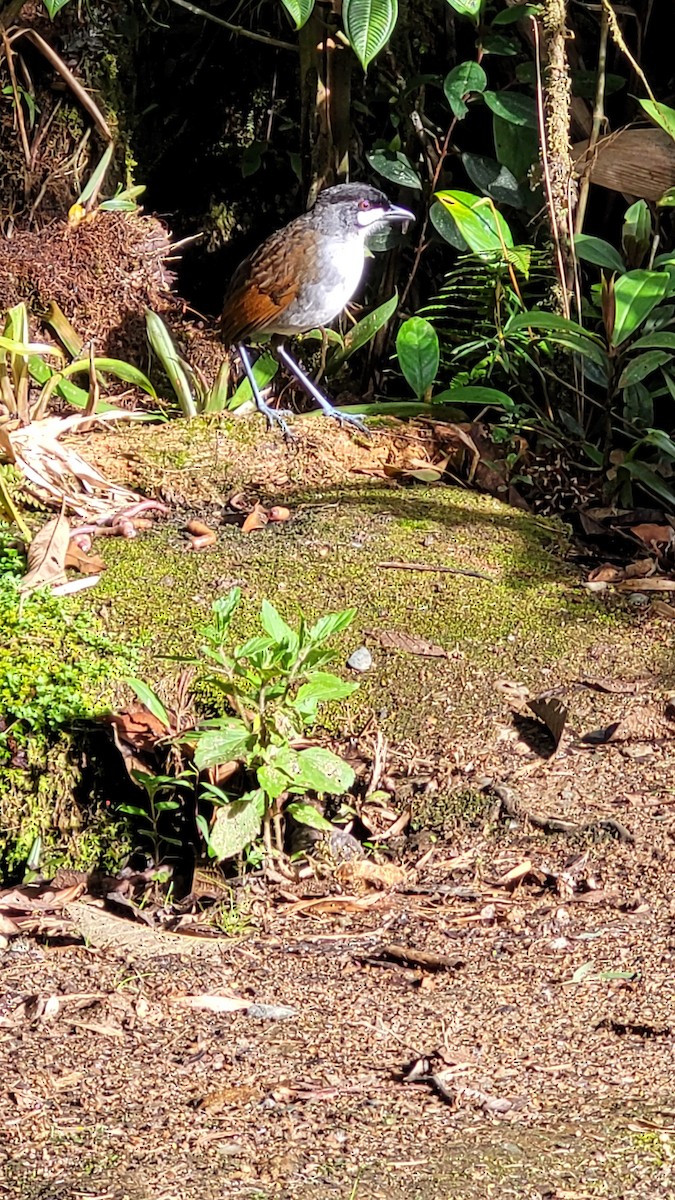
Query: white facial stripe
column 368, row 216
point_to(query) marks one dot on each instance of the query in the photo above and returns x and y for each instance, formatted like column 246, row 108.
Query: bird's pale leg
column 273, row 415
column 315, row 392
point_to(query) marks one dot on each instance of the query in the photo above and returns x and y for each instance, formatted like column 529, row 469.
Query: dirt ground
column 534, row 1059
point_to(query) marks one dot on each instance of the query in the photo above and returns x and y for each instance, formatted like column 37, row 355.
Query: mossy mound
column 513, row 609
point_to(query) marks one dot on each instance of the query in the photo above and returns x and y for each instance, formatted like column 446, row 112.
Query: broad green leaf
column 299, row 11
column 642, row 366
column 661, row 340
column 274, row 625
column 661, row 115
column 600, row 253
column 638, row 405
column 70, row 392
column 444, row 224
column 509, row 15
column 369, row 24
column 235, row 826
column 565, row 332
column 467, row 8
column 115, row 366
column 661, row 441
column 253, row 648
column 54, row 6
column 514, row 107
column 474, row 395
column 321, row 687
column 396, row 167
column 480, row 224
column 635, row 295
column 418, row 353
column 151, row 701
column 225, row 744
column 363, row 332
column 319, row 770
column 667, row 200
column 636, row 234
column 329, row 625
column 499, row 43
column 494, row 179
column 543, row 320
column 306, row 814
column 273, row 781
column 468, row 77
column 264, row 370
column 516, row 146
column 650, row 480
column 162, row 343
column 579, row 344
column 224, row 607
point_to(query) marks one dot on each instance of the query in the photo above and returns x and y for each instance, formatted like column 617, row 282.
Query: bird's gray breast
column 337, row 273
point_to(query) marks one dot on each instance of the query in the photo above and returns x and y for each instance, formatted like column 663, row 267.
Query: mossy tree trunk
column 560, row 182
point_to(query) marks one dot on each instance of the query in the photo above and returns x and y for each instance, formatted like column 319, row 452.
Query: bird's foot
column 343, row 418
column 276, row 416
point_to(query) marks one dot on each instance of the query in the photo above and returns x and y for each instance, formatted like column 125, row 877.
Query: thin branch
column 239, row 30
column 598, row 119
column 18, row 111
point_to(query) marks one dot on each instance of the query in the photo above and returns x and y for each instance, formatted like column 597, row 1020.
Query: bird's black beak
column 395, row 213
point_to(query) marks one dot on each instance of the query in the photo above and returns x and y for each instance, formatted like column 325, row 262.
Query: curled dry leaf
column 47, row 555
column 410, row 643
column 256, row 519
column 86, row 564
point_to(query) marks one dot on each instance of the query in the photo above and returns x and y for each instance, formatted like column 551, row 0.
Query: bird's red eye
column 363, row 204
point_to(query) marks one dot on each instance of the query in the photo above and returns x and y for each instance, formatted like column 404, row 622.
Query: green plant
column 153, row 817
column 22, row 366
column 274, row 684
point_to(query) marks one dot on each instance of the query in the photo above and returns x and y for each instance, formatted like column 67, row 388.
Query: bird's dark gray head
column 356, row 207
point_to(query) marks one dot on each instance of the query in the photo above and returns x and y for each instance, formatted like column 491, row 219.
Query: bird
column 302, row 277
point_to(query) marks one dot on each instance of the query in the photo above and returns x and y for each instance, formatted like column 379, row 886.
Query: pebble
column 360, row 660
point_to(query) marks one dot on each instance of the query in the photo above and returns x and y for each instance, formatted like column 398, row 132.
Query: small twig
column 410, row 957
column 88, row 104
column 402, row 566
column 421, row 244
column 18, row 111
column 238, row 29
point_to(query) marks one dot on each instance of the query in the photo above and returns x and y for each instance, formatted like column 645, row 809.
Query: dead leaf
column 137, row 727
column 656, row 584
column 213, row 1002
column 659, row 608
column 47, row 555
column 641, row 568
column 653, row 534
column 86, row 564
column 410, row 643
column 606, row 574
column 256, row 519
column 552, row 711
column 381, row 875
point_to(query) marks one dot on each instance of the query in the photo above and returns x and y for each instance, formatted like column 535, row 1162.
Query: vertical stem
column 598, row 118
column 553, row 98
